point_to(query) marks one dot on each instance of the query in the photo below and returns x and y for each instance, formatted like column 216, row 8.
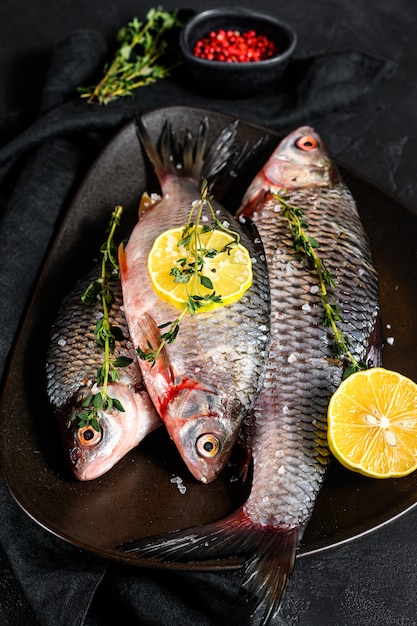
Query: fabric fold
column 58, row 579
column 311, row 87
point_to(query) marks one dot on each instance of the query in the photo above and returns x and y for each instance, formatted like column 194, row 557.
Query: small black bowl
column 238, row 79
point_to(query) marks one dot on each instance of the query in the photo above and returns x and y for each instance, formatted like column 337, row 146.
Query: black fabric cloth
column 311, row 87
column 42, row 161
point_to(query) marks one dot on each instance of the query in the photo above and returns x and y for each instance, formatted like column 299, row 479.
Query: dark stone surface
column 369, row 582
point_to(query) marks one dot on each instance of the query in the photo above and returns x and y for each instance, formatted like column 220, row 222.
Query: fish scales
column 73, row 358
column 291, row 417
column 218, row 337
column 73, row 355
column 288, row 438
column 287, row 433
column 205, row 383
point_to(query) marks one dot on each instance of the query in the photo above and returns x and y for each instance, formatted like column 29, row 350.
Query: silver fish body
column 72, row 362
column 287, row 436
column 289, row 439
column 205, row 383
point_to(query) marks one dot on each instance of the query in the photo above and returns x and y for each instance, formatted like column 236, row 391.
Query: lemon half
column 372, row 423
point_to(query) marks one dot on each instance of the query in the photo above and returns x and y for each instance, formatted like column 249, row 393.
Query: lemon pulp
column 230, row 272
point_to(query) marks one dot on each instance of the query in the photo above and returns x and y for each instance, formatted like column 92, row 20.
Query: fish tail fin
column 267, row 573
column 169, row 156
column 217, row 540
column 268, row 555
column 193, row 157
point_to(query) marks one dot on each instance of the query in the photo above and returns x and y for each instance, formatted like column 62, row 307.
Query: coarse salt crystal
column 177, row 480
column 390, row 340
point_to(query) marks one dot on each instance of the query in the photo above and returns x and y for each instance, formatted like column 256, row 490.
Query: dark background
column 373, row 580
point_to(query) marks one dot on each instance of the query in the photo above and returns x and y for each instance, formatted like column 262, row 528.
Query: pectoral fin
column 154, row 362
column 147, row 202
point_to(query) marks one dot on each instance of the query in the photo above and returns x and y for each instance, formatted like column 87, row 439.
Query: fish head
column 93, row 452
column 300, row 160
column 204, row 426
column 202, row 421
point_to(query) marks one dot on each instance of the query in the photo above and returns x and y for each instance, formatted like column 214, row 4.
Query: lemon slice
column 372, row 423
column 230, row 272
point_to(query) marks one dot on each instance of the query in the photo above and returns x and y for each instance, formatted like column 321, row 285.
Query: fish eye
column 88, row 436
column 208, row 446
column 307, row 143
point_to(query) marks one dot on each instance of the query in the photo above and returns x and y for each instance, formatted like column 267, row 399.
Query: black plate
column 136, row 498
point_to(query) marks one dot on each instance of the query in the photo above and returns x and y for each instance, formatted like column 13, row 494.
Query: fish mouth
column 204, row 427
column 205, row 445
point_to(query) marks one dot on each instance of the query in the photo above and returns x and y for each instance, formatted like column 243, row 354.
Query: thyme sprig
column 139, row 60
column 332, row 314
column 189, row 268
column 106, row 333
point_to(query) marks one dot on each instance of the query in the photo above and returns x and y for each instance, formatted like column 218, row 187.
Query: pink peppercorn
column 231, row 46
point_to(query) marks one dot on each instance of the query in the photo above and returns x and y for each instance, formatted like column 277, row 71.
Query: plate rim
column 13, row 356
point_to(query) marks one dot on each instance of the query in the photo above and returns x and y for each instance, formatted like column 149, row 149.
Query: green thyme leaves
column 141, row 58
column 106, row 334
column 308, row 246
column 196, row 257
